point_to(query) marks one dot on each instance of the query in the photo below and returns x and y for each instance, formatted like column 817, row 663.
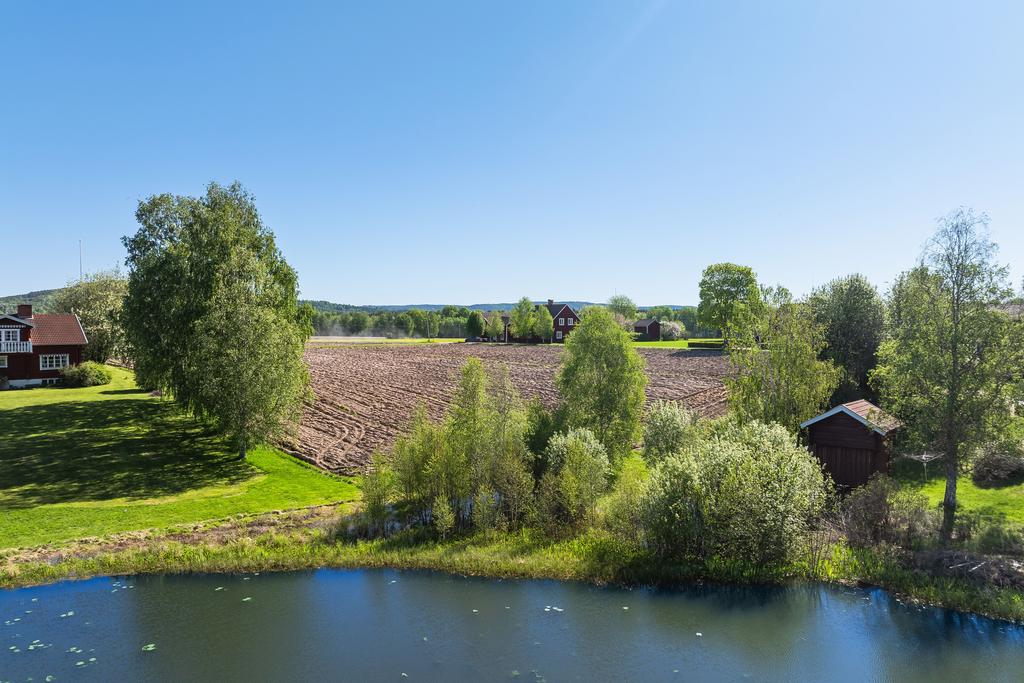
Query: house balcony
column 15, row 347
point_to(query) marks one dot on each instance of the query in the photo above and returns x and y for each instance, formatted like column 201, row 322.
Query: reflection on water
column 390, row 625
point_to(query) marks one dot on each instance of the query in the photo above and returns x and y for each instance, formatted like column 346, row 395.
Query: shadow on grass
column 98, row 450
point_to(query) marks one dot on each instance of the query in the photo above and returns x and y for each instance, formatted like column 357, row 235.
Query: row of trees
column 943, row 351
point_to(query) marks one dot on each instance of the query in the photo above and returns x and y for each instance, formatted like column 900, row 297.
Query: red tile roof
column 873, row 414
column 57, row 329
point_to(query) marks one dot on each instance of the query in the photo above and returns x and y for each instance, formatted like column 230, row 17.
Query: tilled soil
column 365, row 395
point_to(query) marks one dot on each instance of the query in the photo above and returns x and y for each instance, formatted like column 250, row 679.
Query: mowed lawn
column 677, row 344
column 99, row 460
column 1000, row 501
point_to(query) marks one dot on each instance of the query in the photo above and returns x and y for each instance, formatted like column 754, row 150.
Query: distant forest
column 449, row 321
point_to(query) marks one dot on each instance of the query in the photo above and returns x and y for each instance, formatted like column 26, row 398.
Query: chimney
column 25, row 311
column 551, row 302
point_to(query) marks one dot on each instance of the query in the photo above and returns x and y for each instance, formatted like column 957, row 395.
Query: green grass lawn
column 677, row 344
column 1005, row 501
column 99, row 460
column 338, row 341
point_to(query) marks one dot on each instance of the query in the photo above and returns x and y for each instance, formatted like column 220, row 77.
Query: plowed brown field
column 365, row 394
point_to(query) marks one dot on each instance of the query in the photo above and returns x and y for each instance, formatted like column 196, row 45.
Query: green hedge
column 87, row 374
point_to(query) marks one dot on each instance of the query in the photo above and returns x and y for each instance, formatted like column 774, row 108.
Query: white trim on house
column 63, row 361
column 3, row 361
column 843, row 409
column 565, row 306
column 16, row 319
column 558, row 335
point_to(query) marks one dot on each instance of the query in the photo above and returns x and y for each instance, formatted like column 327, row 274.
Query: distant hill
column 41, row 300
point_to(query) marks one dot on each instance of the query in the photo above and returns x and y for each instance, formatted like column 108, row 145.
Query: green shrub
column 665, row 430
column 577, row 476
column 378, row 488
column 748, row 493
column 673, row 509
column 622, row 508
column 998, row 463
column 87, row 374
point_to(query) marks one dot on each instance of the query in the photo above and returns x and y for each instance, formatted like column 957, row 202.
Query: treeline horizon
column 453, row 321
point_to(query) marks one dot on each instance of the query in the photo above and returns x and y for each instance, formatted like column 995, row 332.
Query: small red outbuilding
column 852, row 441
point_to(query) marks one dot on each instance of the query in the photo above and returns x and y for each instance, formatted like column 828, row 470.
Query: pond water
column 391, row 625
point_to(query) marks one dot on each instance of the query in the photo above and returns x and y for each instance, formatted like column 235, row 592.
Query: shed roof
column 865, row 412
column 646, row 322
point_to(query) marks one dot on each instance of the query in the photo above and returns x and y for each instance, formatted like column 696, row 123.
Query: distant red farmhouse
column 852, row 441
column 648, row 329
column 34, row 348
column 564, row 319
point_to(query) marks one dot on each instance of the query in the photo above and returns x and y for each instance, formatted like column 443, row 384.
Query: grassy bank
column 594, row 556
column 1004, row 501
column 99, row 460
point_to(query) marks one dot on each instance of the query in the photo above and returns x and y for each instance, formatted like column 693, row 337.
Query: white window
column 558, row 335
column 53, row 361
column 3, row 361
column 10, row 335
column 570, row 322
column 561, row 322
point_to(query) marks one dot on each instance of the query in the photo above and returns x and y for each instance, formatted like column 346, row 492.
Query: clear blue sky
column 463, row 152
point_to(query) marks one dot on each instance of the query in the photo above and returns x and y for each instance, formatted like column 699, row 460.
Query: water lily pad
column 149, row 647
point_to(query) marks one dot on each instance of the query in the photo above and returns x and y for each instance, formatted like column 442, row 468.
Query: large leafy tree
column 522, row 317
column 212, row 315
column 952, row 354
column 543, row 323
column 852, row 315
column 778, row 375
column 729, row 298
column 97, row 299
column 602, row 381
column 475, row 324
column 495, row 326
column 622, row 305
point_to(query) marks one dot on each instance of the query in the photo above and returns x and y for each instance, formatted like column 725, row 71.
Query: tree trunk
column 242, row 450
column 949, row 500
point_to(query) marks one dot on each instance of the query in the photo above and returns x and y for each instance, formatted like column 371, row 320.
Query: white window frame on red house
column 3, row 361
column 561, row 322
column 10, row 335
column 570, row 322
column 47, row 362
column 558, row 334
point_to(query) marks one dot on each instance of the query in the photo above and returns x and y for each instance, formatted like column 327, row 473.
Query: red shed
column 648, row 329
column 852, row 441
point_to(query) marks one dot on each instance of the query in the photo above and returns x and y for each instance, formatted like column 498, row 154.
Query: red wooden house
column 565, row 318
column 34, row 348
column 648, row 329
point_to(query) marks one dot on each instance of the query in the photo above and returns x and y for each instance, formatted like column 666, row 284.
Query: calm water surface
column 416, row 626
